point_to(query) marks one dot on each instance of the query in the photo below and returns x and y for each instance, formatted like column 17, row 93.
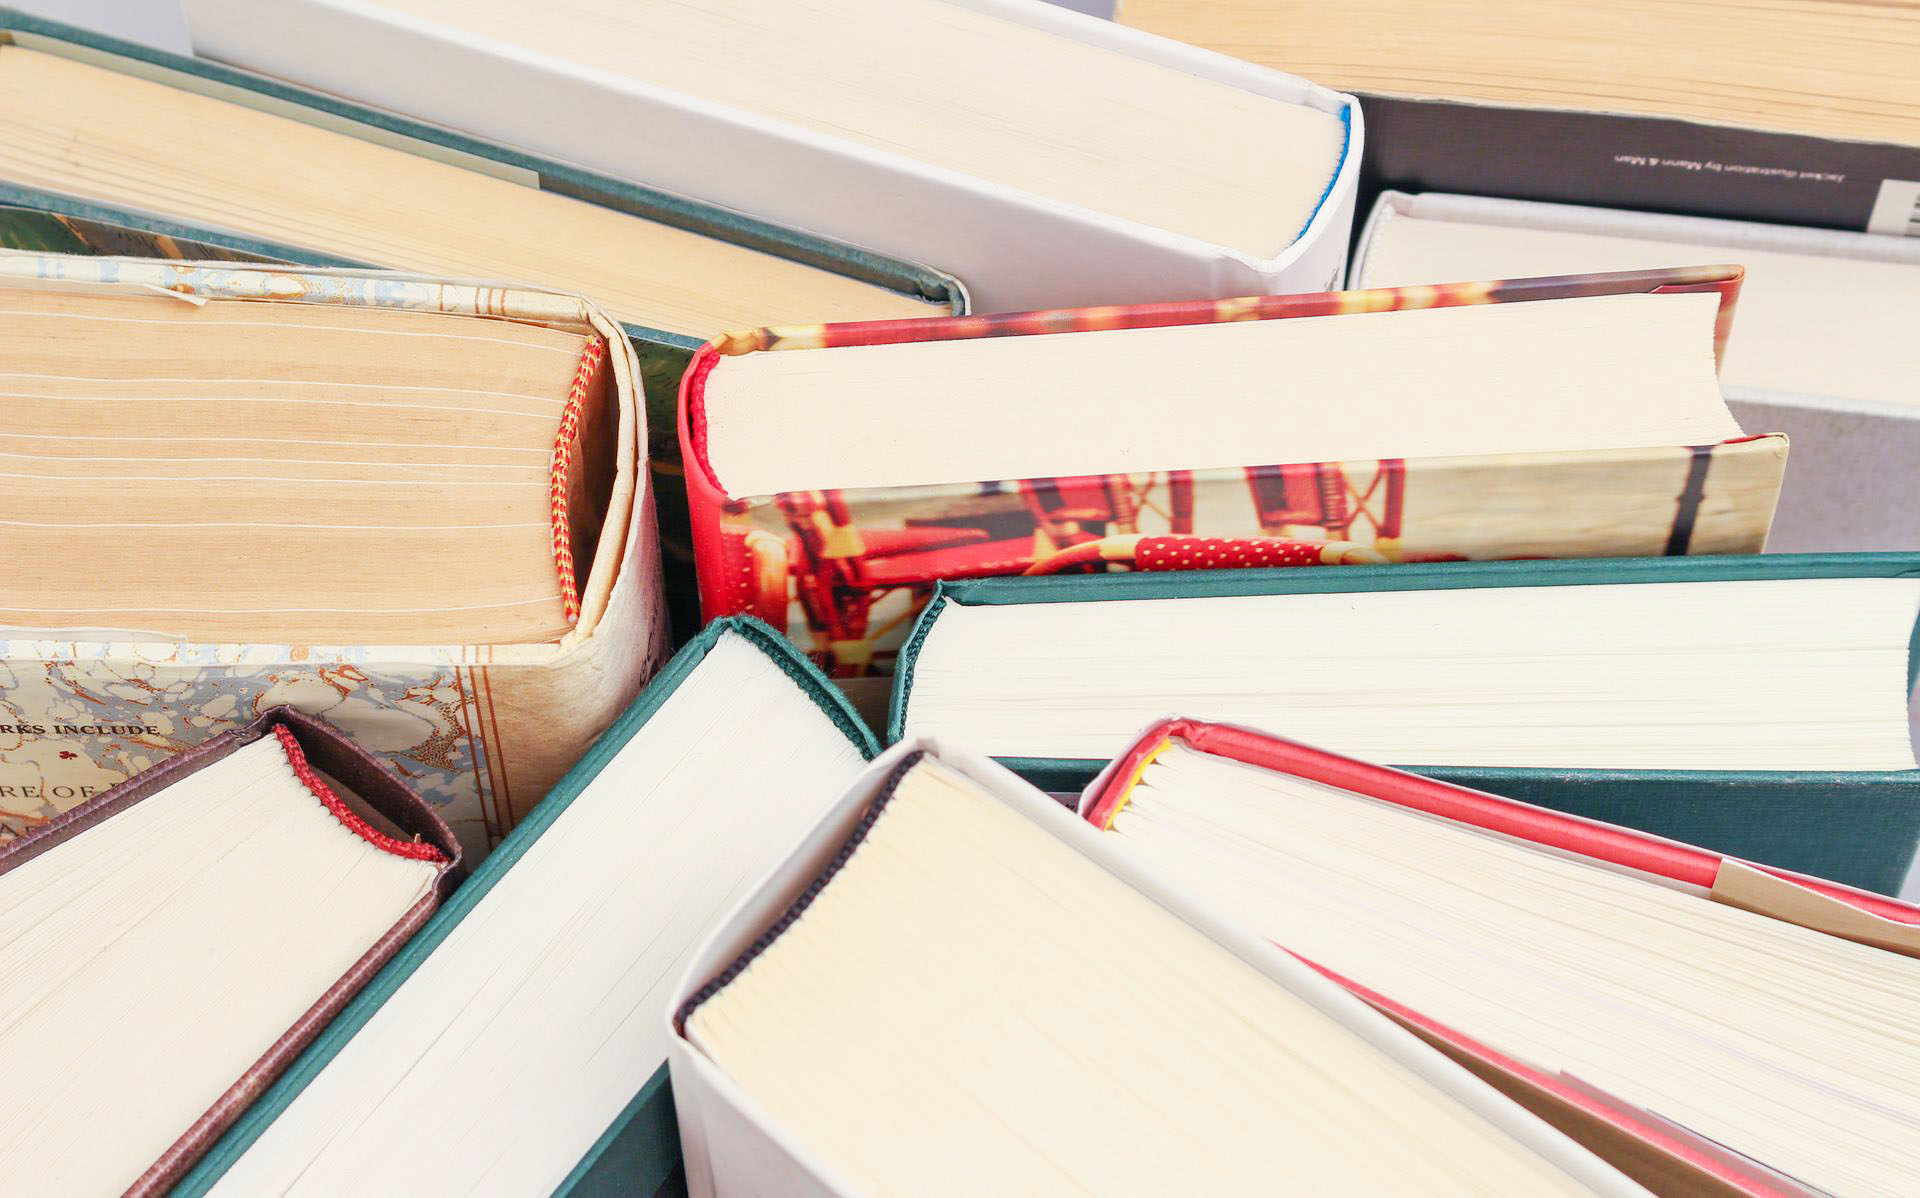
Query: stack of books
column 944, row 595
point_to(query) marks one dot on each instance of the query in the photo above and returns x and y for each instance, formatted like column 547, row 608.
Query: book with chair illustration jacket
column 837, row 472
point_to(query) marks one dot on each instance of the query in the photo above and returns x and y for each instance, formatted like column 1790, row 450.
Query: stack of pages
column 178, row 147
column 173, row 945
column 954, row 987
column 1755, row 705
column 411, row 506
column 518, row 1044
column 1575, row 416
column 1821, row 351
column 559, row 969
column 1718, row 1014
column 475, row 475
column 1045, row 158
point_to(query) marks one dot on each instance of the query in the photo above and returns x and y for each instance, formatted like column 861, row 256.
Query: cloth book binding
column 632, row 1146
column 1856, row 826
column 323, row 759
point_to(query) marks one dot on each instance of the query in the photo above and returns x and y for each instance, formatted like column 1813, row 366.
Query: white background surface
column 159, row 23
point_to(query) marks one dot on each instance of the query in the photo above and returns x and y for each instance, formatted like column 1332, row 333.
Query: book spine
column 560, row 476
column 706, row 502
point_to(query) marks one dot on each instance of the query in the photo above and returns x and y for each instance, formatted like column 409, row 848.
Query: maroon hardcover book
column 350, row 788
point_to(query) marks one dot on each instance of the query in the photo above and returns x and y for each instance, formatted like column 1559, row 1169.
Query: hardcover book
column 1702, row 1023
column 1005, row 140
column 1754, row 705
column 838, row 472
column 518, row 1044
column 412, row 506
column 950, row 960
column 1799, row 112
column 174, row 943
column 1570, row 54
column 1821, row 351
column 180, row 148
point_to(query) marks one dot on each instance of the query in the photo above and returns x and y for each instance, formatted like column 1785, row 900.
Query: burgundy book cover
column 313, row 749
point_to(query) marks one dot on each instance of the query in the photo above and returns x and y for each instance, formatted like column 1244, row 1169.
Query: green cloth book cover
column 1856, row 827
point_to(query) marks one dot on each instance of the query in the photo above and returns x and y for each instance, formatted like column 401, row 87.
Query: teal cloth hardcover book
column 518, row 1042
column 179, row 154
column 1755, row 705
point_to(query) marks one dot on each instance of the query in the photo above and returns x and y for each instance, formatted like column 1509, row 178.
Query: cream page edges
column 83, row 129
column 1807, row 324
column 1434, row 382
column 705, row 1065
column 965, row 93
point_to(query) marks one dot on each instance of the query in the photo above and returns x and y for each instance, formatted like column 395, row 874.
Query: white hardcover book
column 1048, row 158
column 1006, row 987
column 1823, row 348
